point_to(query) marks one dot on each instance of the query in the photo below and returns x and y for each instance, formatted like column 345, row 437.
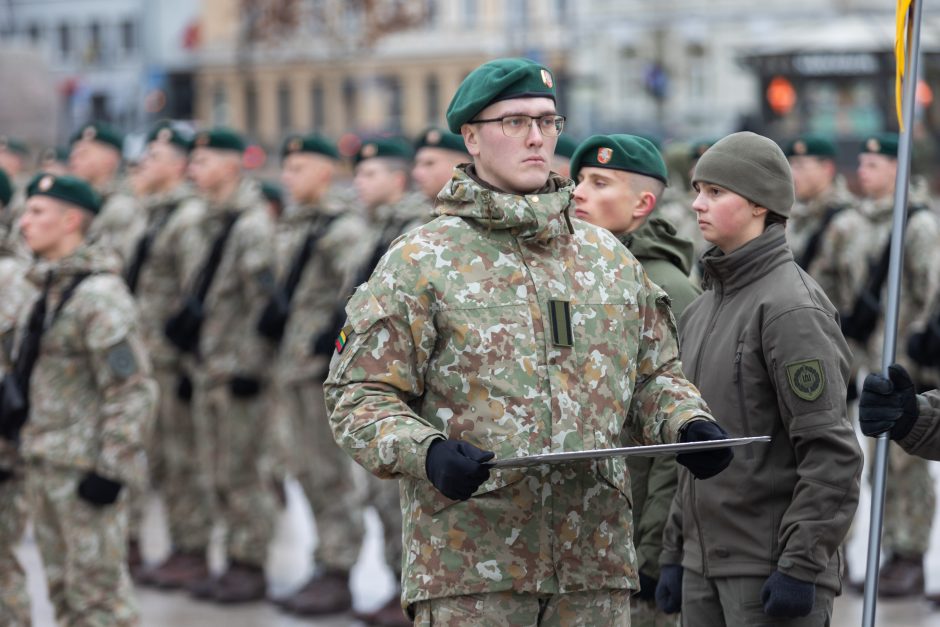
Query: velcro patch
column 560, row 313
column 807, row 379
column 121, row 361
column 343, row 338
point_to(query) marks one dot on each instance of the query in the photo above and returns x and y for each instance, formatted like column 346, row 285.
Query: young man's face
column 92, row 160
column 519, row 165
column 306, row 176
column 11, row 162
column 433, row 168
column 161, row 165
column 46, row 222
column 606, row 198
column 876, row 175
column 210, row 169
column 377, row 183
column 811, row 176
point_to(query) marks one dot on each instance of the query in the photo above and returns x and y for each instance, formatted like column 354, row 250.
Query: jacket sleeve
column 672, row 531
column 379, row 371
column 663, row 399
column 661, row 482
column 809, row 362
column 128, row 392
column 924, row 437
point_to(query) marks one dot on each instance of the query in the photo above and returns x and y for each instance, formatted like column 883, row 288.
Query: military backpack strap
column 815, row 240
column 142, row 249
column 214, row 259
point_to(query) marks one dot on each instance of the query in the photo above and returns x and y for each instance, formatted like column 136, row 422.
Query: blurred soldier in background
column 561, row 160
column 437, row 153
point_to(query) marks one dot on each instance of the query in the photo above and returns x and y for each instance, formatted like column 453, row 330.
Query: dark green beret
column 14, row 145
column 165, row 132
column 100, row 132
column 501, row 79
column 56, row 153
column 619, row 152
column 881, row 144
column 395, row 147
column 698, row 147
column 810, row 146
column 6, row 189
column 70, row 189
column 272, row 192
column 566, row 146
column 219, row 138
column 313, row 143
column 439, row 138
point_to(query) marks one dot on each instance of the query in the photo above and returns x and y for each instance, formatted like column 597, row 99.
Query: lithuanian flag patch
column 342, row 338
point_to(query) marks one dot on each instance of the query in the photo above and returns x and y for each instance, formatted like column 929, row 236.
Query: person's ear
column 471, row 139
column 757, row 210
column 645, row 203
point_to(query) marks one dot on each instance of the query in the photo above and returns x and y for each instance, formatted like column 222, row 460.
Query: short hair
column 640, row 183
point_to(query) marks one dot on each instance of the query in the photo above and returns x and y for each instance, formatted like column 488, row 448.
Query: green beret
column 6, row 189
column 395, row 147
column 619, row 152
column 313, row 143
column 439, row 138
column 70, row 189
column 566, row 146
column 14, row 145
column 219, row 138
column 272, row 192
column 56, row 153
column 501, row 79
column 165, row 132
column 698, row 147
column 881, row 144
column 810, row 146
column 100, row 132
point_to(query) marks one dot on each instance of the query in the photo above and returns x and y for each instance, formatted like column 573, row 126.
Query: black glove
column 242, row 386
column 704, row 464
column 786, row 597
column 99, row 491
column 457, row 468
column 647, row 590
column 5, row 475
column 888, row 404
column 669, row 589
column 184, row 388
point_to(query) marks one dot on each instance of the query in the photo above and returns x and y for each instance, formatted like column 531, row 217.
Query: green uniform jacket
column 667, row 259
column 452, row 336
column 924, row 437
column 763, row 345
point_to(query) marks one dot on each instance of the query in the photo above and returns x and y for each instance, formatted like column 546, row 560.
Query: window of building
column 219, row 105
column 518, row 12
column 350, row 102
column 395, row 108
column 94, row 50
column 34, row 32
column 128, row 36
column 697, row 72
column 432, row 98
column 284, row 117
column 251, row 107
column 65, row 40
column 317, row 104
column 431, row 12
column 468, row 14
column 561, row 9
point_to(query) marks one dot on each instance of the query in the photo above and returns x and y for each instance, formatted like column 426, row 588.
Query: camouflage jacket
column 806, row 219
column 855, row 241
column 92, row 397
column 119, row 223
column 172, row 220
column 325, row 282
column 451, row 337
column 230, row 343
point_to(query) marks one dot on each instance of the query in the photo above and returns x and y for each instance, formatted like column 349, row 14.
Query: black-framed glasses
column 518, row 125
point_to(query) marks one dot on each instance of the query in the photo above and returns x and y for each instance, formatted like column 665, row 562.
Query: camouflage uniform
column 15, row 292
column 119, row 223
column 450, row 338
column 324, row 472
column 806, row 217
column 675, row 206
column 667, row 259
column 233, row 433
column 856, row 239
column 174, row 257
column 91, row 401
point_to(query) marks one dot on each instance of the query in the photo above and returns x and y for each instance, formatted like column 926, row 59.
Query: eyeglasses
column 519, row 125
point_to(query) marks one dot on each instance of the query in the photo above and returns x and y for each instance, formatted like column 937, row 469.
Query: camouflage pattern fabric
column 610, row 608
column 84, row 550
column 646, row 614
column 805, row 218
column 450, row 337
column 910, row 504
column 119, row 222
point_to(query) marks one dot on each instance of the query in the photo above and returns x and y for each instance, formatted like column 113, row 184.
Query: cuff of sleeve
column 786, row 566
column 414, row 466
column 685, row 422
column 670, row 556
column 920, row 426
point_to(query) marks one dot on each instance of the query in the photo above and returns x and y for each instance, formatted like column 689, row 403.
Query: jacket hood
column 540, row 216
column 657, row 239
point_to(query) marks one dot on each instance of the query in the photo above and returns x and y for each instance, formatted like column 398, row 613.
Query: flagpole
column 902, row 182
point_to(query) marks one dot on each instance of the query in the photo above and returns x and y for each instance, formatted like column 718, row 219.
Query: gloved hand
column 704, row 464
column 647, row 590
column 457, row 468
column 243, row 386
column 888, row 404
column 184, row 388
column 786, row 597
column 99, row 491
column 669, row 589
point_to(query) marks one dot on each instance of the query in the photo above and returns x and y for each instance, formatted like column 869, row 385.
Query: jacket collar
column 738, row 269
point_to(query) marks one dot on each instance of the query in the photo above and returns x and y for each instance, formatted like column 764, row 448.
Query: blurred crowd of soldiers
column 240, row 286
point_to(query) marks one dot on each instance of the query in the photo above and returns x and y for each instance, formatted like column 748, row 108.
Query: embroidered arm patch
column 807, row 379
